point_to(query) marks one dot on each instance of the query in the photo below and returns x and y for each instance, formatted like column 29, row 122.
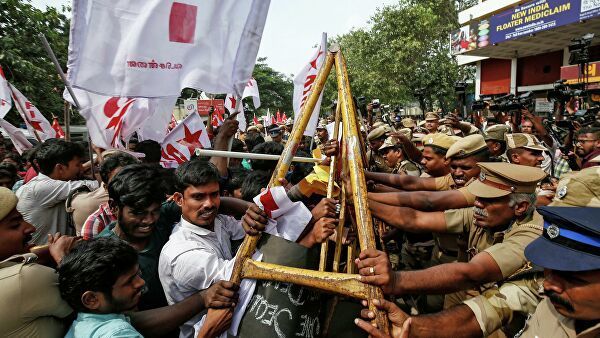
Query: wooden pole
column 364, row 221
column 330, row 184
column 67, row 119
column 250, row 242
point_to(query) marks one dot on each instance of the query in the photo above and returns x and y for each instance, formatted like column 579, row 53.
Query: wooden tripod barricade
column 345, row 284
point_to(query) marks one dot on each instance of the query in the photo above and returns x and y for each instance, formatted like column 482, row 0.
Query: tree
column 25, row 62
column 405, row 54
column 276, row 89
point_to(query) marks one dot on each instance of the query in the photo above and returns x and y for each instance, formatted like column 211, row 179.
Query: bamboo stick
column 364, row 220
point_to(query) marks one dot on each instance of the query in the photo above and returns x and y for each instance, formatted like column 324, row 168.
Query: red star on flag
column 191, row 140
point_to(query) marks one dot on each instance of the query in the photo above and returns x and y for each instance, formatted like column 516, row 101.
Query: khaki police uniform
column 547, row 322
column 498, row 304
column 498, row 133
column 30, row 302
column 404, row 167
column 375, row 161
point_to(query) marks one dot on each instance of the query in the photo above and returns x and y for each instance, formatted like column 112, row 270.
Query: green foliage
column 405, row 51
column 25, row 62
column 276, row 89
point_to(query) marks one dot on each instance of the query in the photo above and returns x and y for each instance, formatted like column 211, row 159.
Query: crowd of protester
column 484, row 225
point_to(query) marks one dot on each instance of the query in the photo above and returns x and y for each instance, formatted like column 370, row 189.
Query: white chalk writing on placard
column 268, row 314
column 310, row 327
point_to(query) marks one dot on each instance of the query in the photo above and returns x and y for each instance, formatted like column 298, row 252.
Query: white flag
column 181, row 142
column 154, row 48
column 231, row 103
column 112, row 120
column 303, row 85
column 16, row 136
column 5, row 101
column 35, row 121
column 252, row 90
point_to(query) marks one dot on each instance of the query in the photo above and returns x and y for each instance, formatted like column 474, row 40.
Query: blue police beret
column 571, row 239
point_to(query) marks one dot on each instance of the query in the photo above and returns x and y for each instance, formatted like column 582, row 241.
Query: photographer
column 587, row 146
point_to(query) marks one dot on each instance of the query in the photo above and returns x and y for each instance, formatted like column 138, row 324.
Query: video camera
column 510, row 103
column 563, row 92
column 584, row 117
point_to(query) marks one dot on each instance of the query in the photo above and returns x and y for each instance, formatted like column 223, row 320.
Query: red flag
column 278, row 114
column 56, row 126
column 217, row 118
column 255, row 120
column 273, row 120
column 284, row 118
column 172, row 124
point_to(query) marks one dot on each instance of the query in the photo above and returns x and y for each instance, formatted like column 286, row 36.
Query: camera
column 584, row 117
column 563, row 92
column 511, row 102
column 478, row 105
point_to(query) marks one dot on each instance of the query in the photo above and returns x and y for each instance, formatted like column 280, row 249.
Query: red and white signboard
column 204, row 106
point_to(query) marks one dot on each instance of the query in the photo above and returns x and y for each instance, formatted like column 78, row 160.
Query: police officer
column 394, row 158
column 569, row 252
column 495, row 138
column 524, row 149
column 30, row 302
column 432, row 122
column 375, row 161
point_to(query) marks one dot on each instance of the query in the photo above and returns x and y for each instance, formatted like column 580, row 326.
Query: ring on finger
column 372, row 270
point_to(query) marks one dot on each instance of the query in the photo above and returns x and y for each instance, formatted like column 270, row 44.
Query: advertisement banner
column 474, row 36
column 540, row 15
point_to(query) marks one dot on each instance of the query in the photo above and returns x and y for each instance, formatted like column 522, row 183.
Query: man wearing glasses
column 588, row 146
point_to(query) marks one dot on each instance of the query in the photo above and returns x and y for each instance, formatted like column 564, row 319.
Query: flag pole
column 63, row 77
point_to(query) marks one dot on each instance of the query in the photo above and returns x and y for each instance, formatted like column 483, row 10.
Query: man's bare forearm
column 160, row 321
column 404, row 182
column 440, row 279
column 458, row 321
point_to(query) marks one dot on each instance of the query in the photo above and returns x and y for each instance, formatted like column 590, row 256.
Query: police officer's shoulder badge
column 562, row 192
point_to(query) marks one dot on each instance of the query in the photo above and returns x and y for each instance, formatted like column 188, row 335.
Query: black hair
column 57, row 151
column 589, row 130
column 151, row 149
column 236, row 178
column 237, row 145
column 253, row 139
column 137, row 186
column 15, row 157
column 300, row 169
column 114, row 161
column 94, row 265
column 271, row 148
column 253, row 184
column 9, row 170
column 195, row 173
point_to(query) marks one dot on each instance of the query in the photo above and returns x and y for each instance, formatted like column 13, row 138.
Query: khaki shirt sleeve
column 510, row 254
column 468, row 195
column 443, row 183
column 41, row 296
column 458, row 220
column 497, row 307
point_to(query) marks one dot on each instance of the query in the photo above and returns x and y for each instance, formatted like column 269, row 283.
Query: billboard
column 529, row 18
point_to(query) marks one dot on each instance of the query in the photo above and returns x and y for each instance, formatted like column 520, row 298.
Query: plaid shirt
column 561, row 167
column 97, row 221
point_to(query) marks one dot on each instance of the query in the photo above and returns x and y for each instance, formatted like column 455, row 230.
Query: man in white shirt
column 198, row 252
column 42, row 200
